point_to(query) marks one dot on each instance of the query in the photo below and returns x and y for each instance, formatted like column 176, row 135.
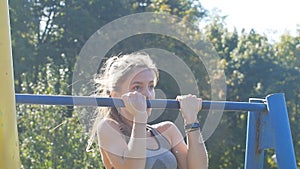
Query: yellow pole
column 9, row 143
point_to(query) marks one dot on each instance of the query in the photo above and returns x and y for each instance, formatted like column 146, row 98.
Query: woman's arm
column 189, row 156
column 195, row 150
column 197, row 154
column 118, row 153
column 123, row 155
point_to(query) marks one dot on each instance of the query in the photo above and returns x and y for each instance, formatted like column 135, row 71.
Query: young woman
column 125, row 139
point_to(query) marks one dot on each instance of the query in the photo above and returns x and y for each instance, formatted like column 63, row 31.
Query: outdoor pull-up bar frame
column 9, row 143
column 268, row 123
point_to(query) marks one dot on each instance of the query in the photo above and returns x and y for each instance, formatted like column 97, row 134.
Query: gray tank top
column 161, row 158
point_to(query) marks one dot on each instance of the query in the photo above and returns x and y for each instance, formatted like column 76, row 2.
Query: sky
column 269, row 17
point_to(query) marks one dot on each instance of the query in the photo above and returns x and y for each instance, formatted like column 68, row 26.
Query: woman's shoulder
column 106, row 125
column 169, row 130
column 164, row 126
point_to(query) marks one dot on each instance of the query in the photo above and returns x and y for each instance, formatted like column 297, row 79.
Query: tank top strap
column 162, row 140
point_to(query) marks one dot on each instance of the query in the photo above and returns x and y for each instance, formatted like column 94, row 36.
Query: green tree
column 254, row 67
column 46, row 39
column 48, row 35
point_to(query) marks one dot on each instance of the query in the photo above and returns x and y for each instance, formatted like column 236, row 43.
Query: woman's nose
column 147, row 94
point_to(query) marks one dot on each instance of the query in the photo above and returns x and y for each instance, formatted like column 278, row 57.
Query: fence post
column 9, row 143
column 283, row 143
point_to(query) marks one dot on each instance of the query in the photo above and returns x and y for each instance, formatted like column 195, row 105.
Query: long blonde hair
column 113, row 72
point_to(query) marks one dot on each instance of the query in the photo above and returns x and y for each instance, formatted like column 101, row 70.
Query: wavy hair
column 110, row 77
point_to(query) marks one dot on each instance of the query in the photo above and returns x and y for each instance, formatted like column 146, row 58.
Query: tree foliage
column 47, row 37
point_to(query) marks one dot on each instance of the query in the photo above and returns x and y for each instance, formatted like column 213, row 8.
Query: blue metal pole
column 108, row 102
column 259, row 137
column 283, row 143
column 254, row 155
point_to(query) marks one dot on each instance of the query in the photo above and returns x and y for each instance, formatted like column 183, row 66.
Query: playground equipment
column 268, row 124
column 9, row 149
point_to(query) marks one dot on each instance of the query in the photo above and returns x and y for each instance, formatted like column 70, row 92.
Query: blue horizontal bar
column 108, row 102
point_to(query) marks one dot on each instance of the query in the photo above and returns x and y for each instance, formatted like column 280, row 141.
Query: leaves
column 48, row 35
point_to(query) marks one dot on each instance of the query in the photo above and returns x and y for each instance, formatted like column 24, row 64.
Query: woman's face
column 144, row 83
column 140, row 80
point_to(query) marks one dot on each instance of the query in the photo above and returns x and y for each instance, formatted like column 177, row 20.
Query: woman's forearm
column 135, row 155
column 197, row 154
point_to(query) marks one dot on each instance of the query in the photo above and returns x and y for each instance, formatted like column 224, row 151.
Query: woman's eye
column 136, row 87
column 151, row 87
